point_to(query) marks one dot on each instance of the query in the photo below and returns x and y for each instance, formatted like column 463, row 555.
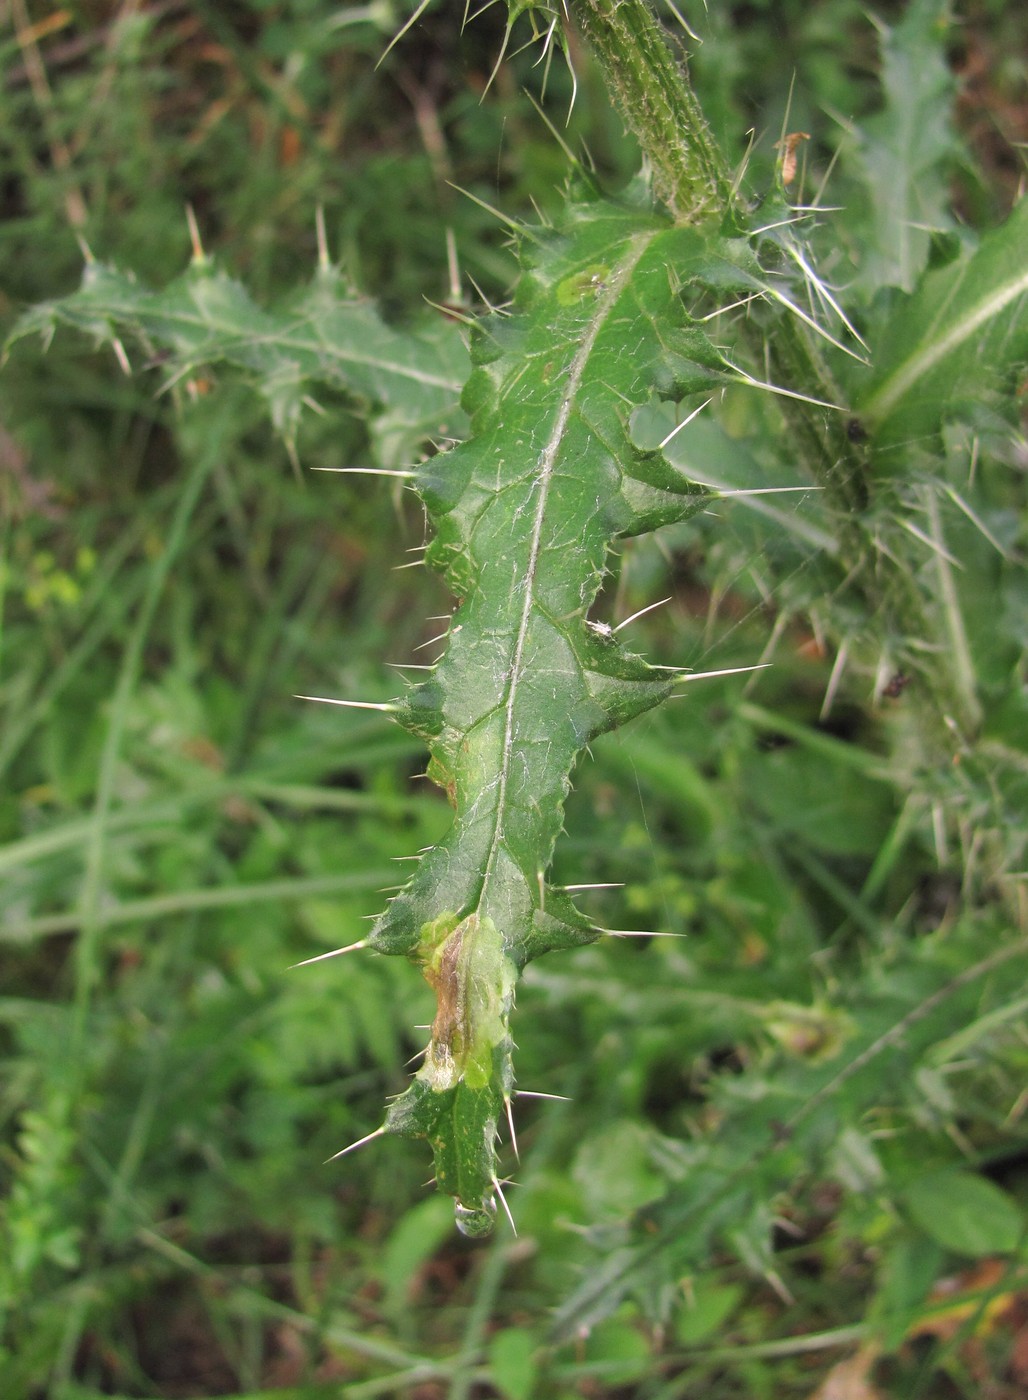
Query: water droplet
column 475, row 1221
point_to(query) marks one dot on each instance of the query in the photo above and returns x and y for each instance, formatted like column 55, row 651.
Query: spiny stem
column 652, row 92
column 692, row 177
column 689, row 173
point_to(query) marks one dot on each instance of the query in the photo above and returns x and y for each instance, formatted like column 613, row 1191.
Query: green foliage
column 966, row 1213
column 904, row 151
column 326, row 336
column 957, row 340
column 788, row 1120
column 526, row 512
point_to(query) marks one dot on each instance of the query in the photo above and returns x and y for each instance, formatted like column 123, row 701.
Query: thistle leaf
column 967, row 321
column 904, row 150
column 408, row 381
column 798, row 1125
column 526, row 512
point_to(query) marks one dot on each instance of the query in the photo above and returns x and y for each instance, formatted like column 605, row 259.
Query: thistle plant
column 613, row 316
column 525, row 514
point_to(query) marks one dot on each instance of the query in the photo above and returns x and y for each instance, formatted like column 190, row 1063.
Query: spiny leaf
column 905, row 148
column 967, row 321
column 409, row 380
column 799, row 1117
column 526, row 512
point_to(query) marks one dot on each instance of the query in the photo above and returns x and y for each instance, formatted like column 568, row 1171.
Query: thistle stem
column 691, row 176
column 659, row 107
column 651, row 89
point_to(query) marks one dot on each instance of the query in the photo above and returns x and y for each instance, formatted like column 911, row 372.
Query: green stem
column 652, row 92
column 692, row 177
column 657, row 104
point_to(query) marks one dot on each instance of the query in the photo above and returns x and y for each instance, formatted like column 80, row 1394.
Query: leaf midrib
column 547, row 461
column 287, row 340
column 924, row 360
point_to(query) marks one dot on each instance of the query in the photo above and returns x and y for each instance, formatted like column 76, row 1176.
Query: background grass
column 179, row 830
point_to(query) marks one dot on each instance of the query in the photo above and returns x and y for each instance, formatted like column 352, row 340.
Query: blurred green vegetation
column 812, row 1102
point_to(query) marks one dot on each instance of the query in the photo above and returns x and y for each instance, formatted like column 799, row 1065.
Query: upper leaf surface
column 526, row 512
column 410, row 379
column 904, row 149
column 967, row 323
